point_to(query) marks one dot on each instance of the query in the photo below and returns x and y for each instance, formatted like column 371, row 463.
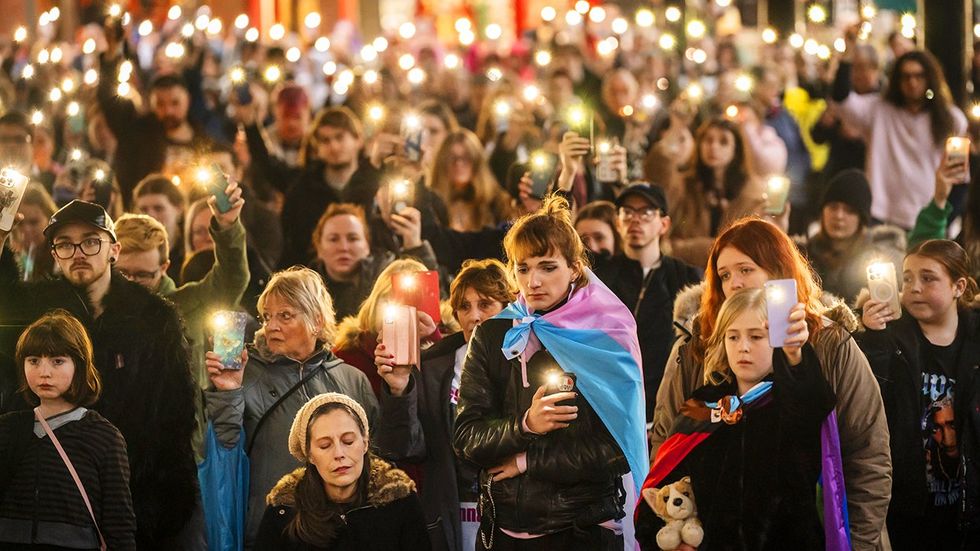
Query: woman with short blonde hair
column 289, row 361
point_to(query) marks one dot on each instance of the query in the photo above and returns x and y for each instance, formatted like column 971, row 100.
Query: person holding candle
column 551, row 400
column 40, row 503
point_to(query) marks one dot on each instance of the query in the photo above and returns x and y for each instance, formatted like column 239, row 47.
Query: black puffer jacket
column 573, row 474
column 896, row 356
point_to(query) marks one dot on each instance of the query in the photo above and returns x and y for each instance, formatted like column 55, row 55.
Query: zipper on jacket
column 343, row 516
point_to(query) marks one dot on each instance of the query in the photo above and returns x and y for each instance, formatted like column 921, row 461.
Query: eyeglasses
column 90, row 247
column 138, row 277
column 284, row 317
column 643, row 215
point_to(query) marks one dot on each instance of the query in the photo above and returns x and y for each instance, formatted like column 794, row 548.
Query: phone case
column 561, row 381
column 419, row 290
column 541, row 175
column 229, row 337
column 401, row 195
column 781, row 297
column 217, row 187
column 399, row 333
column 958, row 150
column 883, row 286
column 12, row 187
column 777, row 189
column 413, row 142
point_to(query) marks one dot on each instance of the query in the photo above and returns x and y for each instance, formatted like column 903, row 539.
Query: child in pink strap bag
column 64, row 472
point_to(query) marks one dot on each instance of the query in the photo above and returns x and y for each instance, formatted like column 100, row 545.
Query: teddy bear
column 674, row 503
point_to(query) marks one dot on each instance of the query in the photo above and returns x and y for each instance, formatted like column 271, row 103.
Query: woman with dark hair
column 598, row 225
column 461, row 177
column 719, row 188
column 747, row 255
column 80, row 500
column 905, row 127
column 925, row 362
column 343, row 497
column 551, row 400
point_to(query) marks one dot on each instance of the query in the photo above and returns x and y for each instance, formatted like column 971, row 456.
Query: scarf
column 592, row 335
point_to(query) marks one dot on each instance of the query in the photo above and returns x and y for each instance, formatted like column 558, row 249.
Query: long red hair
column 775, row 253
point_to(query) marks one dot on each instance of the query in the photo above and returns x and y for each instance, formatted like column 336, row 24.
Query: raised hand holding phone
column 787, row 318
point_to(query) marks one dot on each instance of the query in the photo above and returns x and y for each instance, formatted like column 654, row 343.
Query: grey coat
column 267, row 377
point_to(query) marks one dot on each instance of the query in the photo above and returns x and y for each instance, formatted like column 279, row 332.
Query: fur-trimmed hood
column 688, row 303
column 387, row 484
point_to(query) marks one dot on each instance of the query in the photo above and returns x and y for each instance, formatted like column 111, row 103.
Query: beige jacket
column 860, row 412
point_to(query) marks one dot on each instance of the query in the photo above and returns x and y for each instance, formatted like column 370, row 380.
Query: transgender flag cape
column 592, row 335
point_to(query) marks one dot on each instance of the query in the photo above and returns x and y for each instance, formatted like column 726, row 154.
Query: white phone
column 958, row 151
column 883, row 286
column 781, row 297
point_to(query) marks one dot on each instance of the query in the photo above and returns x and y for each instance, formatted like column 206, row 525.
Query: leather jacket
column 574, row 474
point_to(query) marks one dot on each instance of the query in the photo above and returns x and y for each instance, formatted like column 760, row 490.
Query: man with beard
column 645, row 279
column 141, row 356
column 334, row 173
column 160, row 140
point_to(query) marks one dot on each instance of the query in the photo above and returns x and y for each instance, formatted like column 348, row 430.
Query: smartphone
column 604, row 172
column 958, row 151
column 400, row 195
column 883, row 285
column 781, row 297
column 411, row 132
column 501, row 116
column 12, row 187
column 777, row 190
column 400, row 334
column 228, row 332
column 419, row 290
column 216, row 184
column 560, row 381
column 542, row 167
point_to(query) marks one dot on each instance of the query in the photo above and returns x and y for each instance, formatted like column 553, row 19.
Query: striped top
column 39, row 502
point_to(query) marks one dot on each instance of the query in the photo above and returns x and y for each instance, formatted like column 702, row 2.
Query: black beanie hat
column 851, row 188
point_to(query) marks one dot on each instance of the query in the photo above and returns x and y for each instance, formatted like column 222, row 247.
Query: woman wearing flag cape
column 551, row 400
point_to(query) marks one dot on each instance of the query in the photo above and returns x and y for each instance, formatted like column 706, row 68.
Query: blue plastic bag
column 224, row 492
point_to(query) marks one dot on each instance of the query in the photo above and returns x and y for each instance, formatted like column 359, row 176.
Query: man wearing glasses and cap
column 645, row 279
column 141, row 356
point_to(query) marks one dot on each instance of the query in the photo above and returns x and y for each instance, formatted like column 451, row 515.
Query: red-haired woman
column 747, row 255
column 926, row 363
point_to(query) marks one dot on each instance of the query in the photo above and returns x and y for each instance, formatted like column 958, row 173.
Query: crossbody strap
column 71, row 470
column 277, row 403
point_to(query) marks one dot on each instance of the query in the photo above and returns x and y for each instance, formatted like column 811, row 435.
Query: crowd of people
column 641, row 255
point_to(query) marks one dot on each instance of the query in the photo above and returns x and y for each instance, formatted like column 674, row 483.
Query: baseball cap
column 80, row 212
column 653, row 194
